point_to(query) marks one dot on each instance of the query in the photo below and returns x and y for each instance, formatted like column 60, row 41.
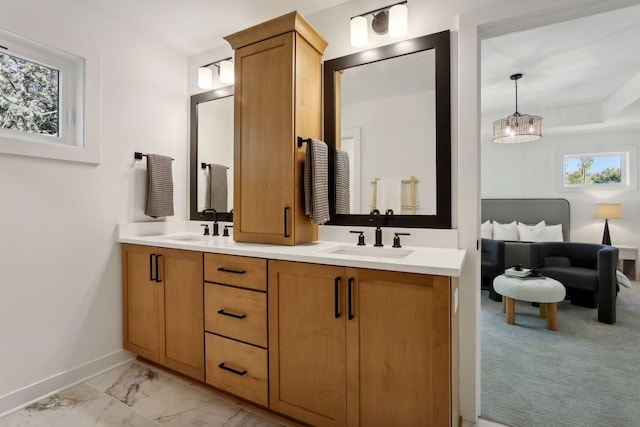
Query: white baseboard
column 26, row 395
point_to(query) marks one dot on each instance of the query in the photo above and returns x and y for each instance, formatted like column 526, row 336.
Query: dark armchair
column 491, row 266
column 587, row 270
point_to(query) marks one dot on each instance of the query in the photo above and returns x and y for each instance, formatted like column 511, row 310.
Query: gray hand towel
column 316, row 182
column 159, row 186
column 342, row 183
column 217, row 195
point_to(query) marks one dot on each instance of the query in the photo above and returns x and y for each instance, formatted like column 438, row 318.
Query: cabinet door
column 140, row 298
column 264, row 146
column 182, row 316
column 398, row 349
column 307, row 342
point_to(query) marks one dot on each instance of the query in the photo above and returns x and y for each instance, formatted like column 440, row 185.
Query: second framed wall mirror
column 211, row 158
column 388, row 120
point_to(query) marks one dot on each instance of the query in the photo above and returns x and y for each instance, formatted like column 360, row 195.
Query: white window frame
column 79, row 87
column 628, row 169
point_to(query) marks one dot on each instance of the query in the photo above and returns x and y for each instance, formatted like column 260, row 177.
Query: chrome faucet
column 375, row 216
column 216, row 231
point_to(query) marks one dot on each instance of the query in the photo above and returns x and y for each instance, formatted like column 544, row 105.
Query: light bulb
column 359, row 35
column 398, row 16
column 205, row 78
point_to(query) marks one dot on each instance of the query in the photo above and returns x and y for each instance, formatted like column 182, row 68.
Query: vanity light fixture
column 517, row 127
column 225, row 73
column 389, row 19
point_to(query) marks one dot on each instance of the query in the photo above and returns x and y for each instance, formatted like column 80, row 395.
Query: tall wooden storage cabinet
column 278, row 97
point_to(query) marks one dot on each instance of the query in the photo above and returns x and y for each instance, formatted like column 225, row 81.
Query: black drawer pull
column 286, row 225
column 158, row 280
column 226, row 270
column 237, row 316
column 226, row 368
column 336, row 297
column 151, row 267
column 350, row 302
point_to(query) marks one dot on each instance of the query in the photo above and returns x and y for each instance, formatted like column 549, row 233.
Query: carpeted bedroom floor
column 585, row 374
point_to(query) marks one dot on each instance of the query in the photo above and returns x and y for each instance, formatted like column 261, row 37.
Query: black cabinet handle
column 151, row 267
column 286, row 226
column 336, row 297
column 237, row 316
column 157, row 262
column 226, row 270
column 226, row 368
column 350, row 283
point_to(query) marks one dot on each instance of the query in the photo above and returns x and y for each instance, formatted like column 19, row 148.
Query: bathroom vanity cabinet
column 359, row 347
column 278, row 66
column 162, row 307
column 327, row 345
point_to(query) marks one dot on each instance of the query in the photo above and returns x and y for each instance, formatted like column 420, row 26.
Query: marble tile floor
column 135, row 395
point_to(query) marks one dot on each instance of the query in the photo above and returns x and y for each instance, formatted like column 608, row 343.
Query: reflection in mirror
column 212, row 155
column 387, row 116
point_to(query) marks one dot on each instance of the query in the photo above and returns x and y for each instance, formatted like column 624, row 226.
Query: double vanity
column 324, row 333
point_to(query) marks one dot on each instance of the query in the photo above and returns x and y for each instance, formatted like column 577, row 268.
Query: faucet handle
column 360, row 237
column 396, row 239
column 225, row 232
column 206, row 229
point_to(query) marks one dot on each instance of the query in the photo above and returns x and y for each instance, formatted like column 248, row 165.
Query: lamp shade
column 517, row 128
column 608, row 211
column 398, row 16
column 226, row 72
column 205, row 78
column 359, row 35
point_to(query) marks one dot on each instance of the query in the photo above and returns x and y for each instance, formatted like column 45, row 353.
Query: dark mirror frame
column 440, row 43
column 194, row 167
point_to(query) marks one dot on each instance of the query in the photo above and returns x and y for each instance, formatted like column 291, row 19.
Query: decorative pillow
column 553, row 233
column 531, row 233
column 486, row 230
column 505, row 231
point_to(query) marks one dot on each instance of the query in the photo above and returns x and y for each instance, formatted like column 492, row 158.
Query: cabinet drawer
column 238, row 368
column 236, row 313
column 234, row 270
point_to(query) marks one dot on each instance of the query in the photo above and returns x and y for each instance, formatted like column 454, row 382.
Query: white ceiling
column 194, row 26
column 579, row 74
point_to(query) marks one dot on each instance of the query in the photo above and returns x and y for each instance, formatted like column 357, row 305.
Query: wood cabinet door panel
column 399, row 371
column 307, row 342
column 264, row 137
column 140, row 299
column 183, row 316
column 241, row 271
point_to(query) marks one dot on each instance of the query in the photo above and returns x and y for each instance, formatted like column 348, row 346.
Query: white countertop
column 423, row 260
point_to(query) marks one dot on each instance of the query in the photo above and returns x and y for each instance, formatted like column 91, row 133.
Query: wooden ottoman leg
column 504, row 304
column 552, row 316
column 511, row 315
column 543, row 310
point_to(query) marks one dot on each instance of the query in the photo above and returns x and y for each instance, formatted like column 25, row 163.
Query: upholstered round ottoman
column 546, row 291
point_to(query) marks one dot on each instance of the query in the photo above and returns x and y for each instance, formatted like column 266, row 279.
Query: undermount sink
column 191, row 238
column 371, row 251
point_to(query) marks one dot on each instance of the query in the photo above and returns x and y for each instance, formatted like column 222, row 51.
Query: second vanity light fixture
column 389, row 19
column 225, row 73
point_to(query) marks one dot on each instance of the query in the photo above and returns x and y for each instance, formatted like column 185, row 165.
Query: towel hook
column 138, row 155
column 302, row 140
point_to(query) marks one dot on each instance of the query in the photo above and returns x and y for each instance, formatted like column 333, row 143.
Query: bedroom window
column 42, row 95
column 596, row 170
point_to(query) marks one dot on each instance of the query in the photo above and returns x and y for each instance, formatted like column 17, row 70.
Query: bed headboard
column 528, row 211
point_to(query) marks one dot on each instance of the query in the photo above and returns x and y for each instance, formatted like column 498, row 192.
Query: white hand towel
column 389, row 195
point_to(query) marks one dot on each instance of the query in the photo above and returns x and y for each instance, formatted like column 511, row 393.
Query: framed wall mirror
column 387, row 122
column 211, row 156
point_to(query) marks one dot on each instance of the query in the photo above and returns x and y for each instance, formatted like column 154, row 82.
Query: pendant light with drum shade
column 517, row 127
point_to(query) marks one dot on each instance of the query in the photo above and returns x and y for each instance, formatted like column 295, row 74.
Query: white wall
column 534, row 170
column 60, row 291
